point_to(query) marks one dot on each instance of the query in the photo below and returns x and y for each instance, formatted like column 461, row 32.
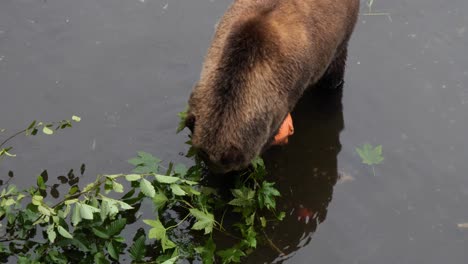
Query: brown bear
column 264, row 55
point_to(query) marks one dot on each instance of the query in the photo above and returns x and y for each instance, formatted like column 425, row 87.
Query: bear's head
column 246, row 90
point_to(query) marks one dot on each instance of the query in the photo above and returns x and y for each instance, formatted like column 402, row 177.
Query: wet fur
column 264, row 54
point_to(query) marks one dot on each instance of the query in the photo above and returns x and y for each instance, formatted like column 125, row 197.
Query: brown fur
column 264, row 54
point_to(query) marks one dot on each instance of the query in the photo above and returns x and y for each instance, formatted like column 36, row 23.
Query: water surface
column 127, row 67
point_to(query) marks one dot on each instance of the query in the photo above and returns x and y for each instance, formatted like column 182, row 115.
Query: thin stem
column 272, row 245
column 98, row 184
column 32, row 128
column 187, row 203
column 373, row 170
column 12, row 136
column 181, row 221
column 228, row 234
column 222, row 220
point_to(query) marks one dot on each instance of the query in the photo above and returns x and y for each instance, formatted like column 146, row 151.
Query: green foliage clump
column 32, row 130
column 91, row 224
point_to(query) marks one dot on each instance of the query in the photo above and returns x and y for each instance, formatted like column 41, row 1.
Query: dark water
column 127, row 67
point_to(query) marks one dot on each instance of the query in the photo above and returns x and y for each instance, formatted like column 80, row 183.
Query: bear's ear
column 232, row 156
column 190, row 122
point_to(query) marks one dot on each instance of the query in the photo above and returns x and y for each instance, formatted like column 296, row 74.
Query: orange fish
column 286, row 130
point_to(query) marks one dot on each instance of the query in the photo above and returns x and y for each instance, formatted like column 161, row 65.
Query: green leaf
column 177, row 190
column 5, row 152
column 370, row 155
column 76, row 216
column 26, row 260
column 55, row 257
column 190, row 190
column 166, row 179
column 249, row 220
column 44, row 210
column 7, row 202
column 73, row 190
column 20, row 197
column 266, row 195
column 116, row 226
column 205, row 220
column 76, row 118
column 243, row 197
column 45, row 176
column 189, row 182
column 138, row 249
column 99, row 258
column 86, row 211
column 258, row 162
column 182, row 116
column 263, row 222
column 157, row 231
column 105, row 209
column 51, row 235
column 171, row 260
column 40, row 183
column 100, row 232
column 132, row 177
column 108, row 185
column 135, row 161
column 281, row 216
column 47, row 131
column 124, row 206
column 207, row 251
column 180, row 169
column 145, row 163
column 166, row 243
column 62, row 214
column 63, row 232
column 117, row 187
column 147, row 157
column 250, row 237
column 33, row 123
column 160, row 200
column 231, row 255
column 80, row 241
column 37, row 200
column 113, row 251
column 147, row 188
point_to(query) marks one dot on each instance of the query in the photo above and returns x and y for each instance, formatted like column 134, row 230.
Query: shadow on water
column 305, row 172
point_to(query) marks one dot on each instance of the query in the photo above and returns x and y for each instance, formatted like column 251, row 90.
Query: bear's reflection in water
column 305, row 171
